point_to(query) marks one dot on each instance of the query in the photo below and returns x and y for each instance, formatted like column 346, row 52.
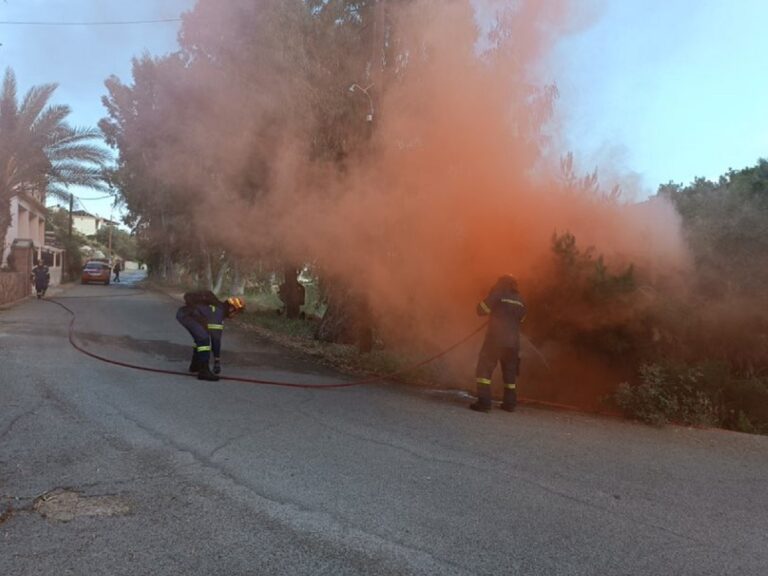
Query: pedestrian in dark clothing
column 292, row 293
column 116, row 269
column 41, row 277
column 203, row 316
column 502, row 343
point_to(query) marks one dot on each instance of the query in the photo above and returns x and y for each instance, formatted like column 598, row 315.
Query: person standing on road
column 41, row 277
column 117, row 269
column 203, row 316
column 502, row 343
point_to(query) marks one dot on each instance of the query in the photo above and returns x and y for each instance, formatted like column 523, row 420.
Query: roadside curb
column 9, row 305
column 50, row 293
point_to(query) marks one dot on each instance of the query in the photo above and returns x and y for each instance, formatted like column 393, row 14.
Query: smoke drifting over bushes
column 460, row 181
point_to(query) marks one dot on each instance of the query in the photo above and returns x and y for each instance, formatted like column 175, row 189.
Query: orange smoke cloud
column 459, row 183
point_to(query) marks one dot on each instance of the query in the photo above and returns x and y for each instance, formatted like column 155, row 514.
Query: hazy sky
column 664, row 89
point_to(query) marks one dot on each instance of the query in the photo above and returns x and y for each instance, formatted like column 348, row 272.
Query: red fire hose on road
column 369, row 380
column 362, row 382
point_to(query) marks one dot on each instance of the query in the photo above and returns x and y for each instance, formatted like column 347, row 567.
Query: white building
column 88, row 224
column 27, row 221
column 28, row 225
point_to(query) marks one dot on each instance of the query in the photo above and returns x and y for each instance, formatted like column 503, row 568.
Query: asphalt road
column 106, row 470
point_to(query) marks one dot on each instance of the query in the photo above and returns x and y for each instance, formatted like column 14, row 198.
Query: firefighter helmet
column 235, row 304
column 508, row 281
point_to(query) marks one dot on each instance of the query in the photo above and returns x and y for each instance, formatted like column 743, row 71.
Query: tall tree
column 39, row 150
column 727, row 226
column 143, row 126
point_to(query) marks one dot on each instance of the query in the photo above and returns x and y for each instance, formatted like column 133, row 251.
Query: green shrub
column 676, row 393
column 582, row 303
column 745, row 405
column 705, row 394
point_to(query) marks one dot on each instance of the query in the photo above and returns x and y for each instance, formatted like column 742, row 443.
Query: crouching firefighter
column 203, row 316
column 502, row 343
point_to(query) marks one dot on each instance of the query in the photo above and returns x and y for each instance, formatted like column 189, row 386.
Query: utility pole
column 71, row 206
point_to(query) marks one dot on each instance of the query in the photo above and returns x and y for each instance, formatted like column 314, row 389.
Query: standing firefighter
column 40, row 278
column 502, row 343
column 203, row 316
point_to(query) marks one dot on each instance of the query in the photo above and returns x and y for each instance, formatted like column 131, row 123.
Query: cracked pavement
column 234, row 479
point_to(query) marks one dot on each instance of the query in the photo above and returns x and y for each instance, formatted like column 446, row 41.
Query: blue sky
column 80, row 58
column 669, row 89
column 663, row 89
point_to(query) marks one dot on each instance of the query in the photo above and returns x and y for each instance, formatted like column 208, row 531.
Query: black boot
column 480, row 406
column 483, row 403
column 205, row 373
column 194, row 366
column 509, row 403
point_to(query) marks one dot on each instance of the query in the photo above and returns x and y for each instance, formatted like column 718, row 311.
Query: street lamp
column 369, row 116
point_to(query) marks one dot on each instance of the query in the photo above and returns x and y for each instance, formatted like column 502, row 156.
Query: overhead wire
column 96, row 198
column 79, row 200
column 87, row 23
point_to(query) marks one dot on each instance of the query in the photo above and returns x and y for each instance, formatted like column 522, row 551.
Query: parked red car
column 95, row 271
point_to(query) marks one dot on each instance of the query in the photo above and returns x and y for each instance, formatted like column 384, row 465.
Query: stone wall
column 17, row 284
column 14, row 286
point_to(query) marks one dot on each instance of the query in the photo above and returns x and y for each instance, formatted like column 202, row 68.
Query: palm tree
column 39, row 150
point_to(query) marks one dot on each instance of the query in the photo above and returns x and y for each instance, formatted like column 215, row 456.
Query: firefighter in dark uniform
column 40, row 277
column 204, row 319
column 502, row 343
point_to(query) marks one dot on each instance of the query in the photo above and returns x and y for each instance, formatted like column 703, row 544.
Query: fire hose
column 362, row 382
column 369, row 380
